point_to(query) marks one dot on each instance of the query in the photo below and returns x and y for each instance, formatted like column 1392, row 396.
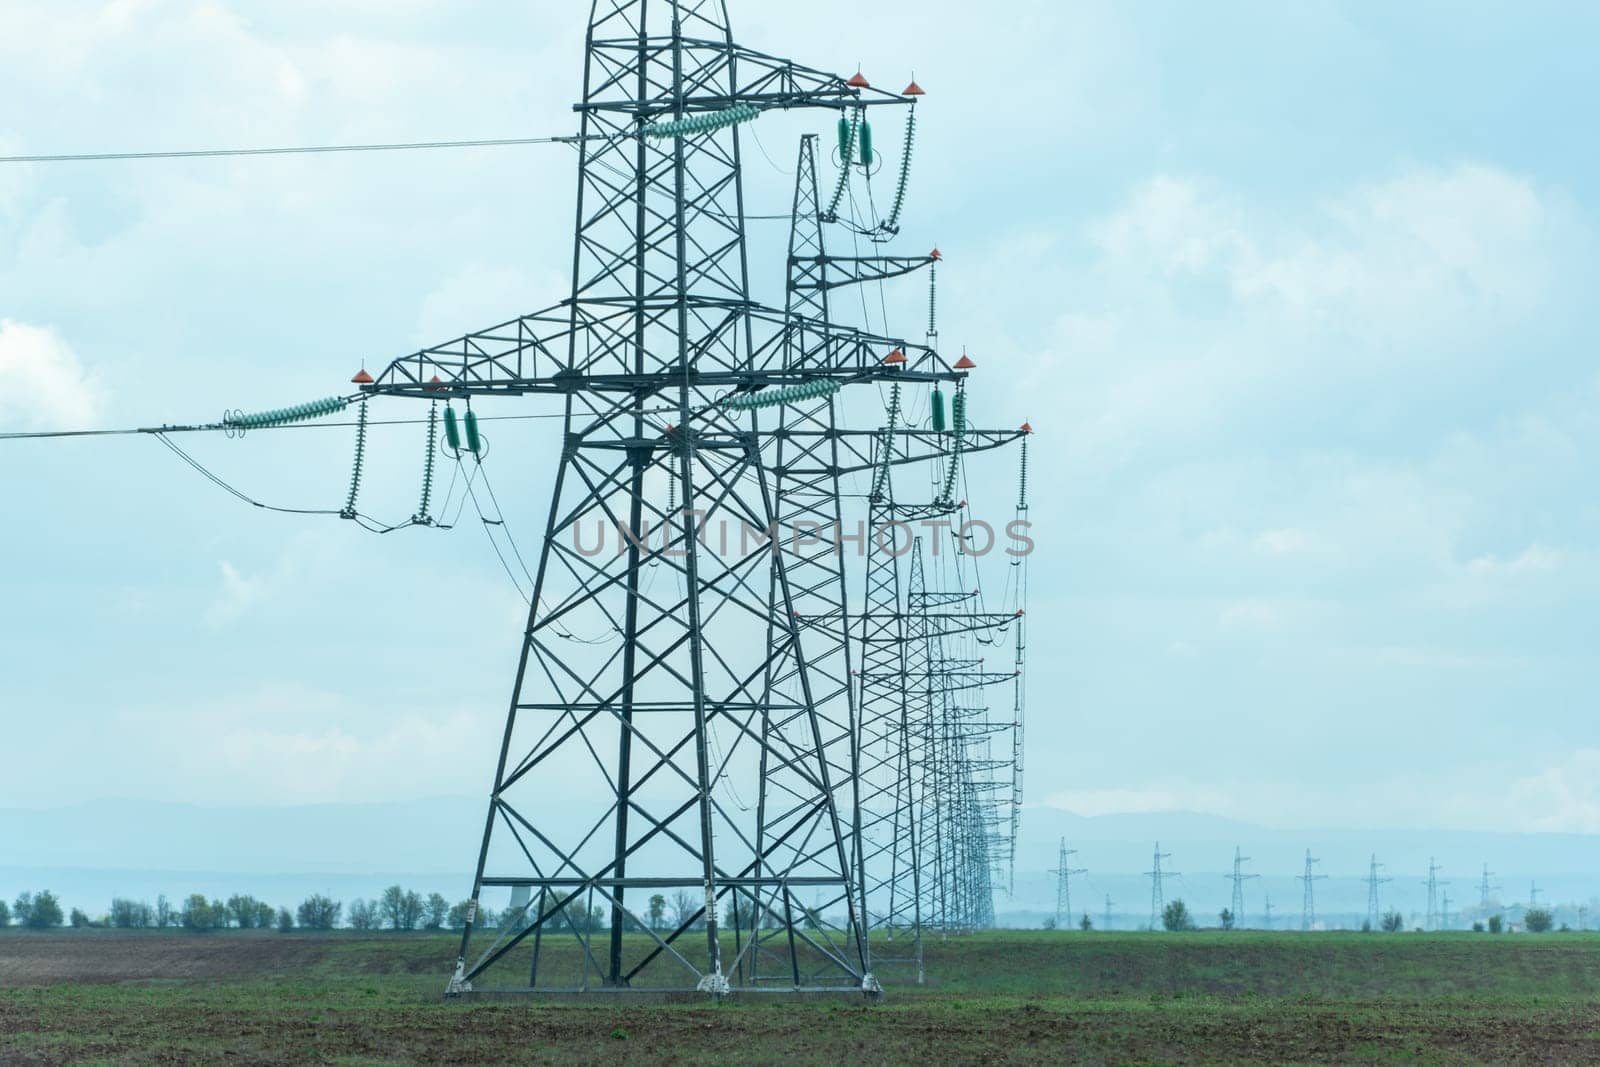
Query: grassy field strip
column 992, row 998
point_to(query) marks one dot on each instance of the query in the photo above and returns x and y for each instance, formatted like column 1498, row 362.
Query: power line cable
column 213, row 153
column 28, row 435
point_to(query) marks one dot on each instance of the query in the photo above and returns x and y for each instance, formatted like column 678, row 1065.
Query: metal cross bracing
column 904, row 871
column 905, row 771
column 687, row 754
column 808, row 454
column 961, row 787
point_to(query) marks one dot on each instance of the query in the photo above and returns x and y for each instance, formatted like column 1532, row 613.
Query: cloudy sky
column 1299, row 298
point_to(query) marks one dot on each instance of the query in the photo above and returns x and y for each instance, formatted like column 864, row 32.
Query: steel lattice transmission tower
column 680, row 756
column 1485, row 889
column 1374, row 919
column 1239, row 878
column 1308, row 903
column 1158, row 900
column 1064, row 872
column 1107, row 925
column 1433, row 885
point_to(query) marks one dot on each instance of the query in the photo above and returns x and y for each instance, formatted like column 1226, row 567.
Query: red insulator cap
column 896, row 356
column 913, row 89
column 936, row 254
column 858, row 82
column 964, row 363
column 1027, row 428
column 962, row 505
column 1019, row 611
column 362, row 377
column 434, row 383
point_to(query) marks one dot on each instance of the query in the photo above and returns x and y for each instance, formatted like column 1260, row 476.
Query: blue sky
column 1298, row 296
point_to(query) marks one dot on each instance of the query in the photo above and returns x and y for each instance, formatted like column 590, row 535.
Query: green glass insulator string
column 892, row 223
column 704, row 122
column 786, row 394
column 452, row 430
column 356, row 464
column 1022, row 478
column 880, row 480
column 284, row 416
column 958, row 426
column 421, row 517
column 847, row 143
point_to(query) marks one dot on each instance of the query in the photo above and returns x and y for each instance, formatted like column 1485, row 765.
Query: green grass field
column 1018, row 997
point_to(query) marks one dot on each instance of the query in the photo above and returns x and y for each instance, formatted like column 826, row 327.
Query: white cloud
column 42, row 383
column 1564, row 797
column 1535, row 559
column 1421, row 247
column 1173, row 225
column 237, row 595
column 1282, row 542
column 413, row 754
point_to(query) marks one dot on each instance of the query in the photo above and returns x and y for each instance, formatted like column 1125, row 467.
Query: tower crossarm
column 833, row 272
column 952, row 681
column 593, row 346
column 861, row 450
column 941, row 625
column 762, row 80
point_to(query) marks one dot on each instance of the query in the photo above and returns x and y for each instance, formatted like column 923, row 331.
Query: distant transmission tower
column 1444, row 910
column 1484, row 889
column 1308, row 905
column 1433, row 885
column 1158, row 900
column 1064, row 872
column 1239, row 879
column 1533, row 896
column 1266, row 909
column 1373, row 882
column 1107, row 924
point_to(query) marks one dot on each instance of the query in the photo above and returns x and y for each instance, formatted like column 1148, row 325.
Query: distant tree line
column 396, row 909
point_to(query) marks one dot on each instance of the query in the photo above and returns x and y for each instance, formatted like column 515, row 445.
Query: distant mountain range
column 91, row 851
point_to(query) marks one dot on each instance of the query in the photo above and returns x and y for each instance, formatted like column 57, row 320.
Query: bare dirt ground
column 105, row 956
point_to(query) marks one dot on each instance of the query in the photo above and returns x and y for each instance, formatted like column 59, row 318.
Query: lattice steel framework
column 1064, row 870
column 627, row 767
column 1239, row 878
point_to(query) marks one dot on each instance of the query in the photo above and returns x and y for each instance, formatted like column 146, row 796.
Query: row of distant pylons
column 1437, row 915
